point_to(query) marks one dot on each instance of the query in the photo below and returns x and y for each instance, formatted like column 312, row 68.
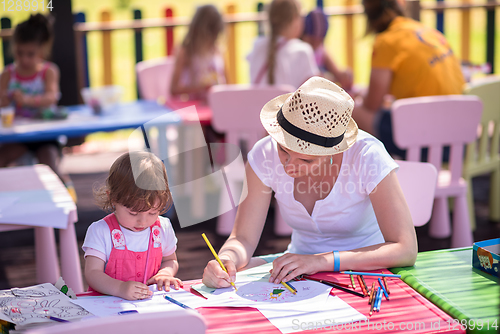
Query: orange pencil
column 372, row 293
column 362, row 286
column 386, row 285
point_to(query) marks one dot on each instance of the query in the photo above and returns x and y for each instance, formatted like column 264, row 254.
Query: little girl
column 315, row 29
column 32, row 85
column 282, row 58
column 199, row 64
column 133, row 246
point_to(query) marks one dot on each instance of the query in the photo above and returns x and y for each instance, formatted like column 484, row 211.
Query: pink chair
column 236, row 112
column 182, row 321
column 418, row 182
column 154, row 77
column 435, row 122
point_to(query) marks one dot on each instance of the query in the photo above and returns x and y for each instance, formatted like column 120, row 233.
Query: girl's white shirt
column 295, row 62
column 98, row 238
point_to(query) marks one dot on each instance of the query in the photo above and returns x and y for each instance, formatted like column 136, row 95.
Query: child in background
column 199, row 64
column 315, row 29
column 133, row 246
column 282, row 58
column 32, row 85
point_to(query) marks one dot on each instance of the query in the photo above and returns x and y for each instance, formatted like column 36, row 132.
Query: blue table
column 81, row 121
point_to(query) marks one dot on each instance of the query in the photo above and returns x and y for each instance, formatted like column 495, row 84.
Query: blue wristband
column 336, row 261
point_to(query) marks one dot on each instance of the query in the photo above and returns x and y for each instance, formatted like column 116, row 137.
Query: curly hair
column 138, row 181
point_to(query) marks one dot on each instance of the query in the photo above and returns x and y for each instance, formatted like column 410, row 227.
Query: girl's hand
column 18, row 97
column 289, row 266
column 215, row 277
column 164, row 281
column 132, row 290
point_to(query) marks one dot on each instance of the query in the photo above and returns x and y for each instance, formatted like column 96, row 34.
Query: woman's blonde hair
column 281, row 15
column 138, row 181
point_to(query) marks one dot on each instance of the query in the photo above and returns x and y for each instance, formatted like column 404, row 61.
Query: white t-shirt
column 345, row 219
column 98, row 238
column 294, row 64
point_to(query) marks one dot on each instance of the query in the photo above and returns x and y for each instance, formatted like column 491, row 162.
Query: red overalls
column 126, row 265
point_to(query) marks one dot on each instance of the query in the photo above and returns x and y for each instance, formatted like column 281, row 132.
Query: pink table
column 34, row 197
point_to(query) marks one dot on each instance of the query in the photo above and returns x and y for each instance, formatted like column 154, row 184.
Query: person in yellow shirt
column 408, row 60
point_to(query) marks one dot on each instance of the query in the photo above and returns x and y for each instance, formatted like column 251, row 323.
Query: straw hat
column 314, row 120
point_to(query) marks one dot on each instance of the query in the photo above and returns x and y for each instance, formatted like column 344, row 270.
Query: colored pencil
column 372, row 293
column 369, row 274
column 379, row 304
column 386, row 285
column 364, row 283
column 336, row 286
column 383, row 289
column 217, row 257
column 289, row 288
column 352, row 282
column 56, row 319
column 361, row 285
column 319, row 280
column 172, row 300
column 290, row 284
column 378, row 296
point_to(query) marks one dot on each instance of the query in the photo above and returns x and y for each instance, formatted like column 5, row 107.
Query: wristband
column 336, row 261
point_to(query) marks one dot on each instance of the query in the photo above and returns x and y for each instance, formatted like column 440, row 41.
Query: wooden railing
column 107, row 26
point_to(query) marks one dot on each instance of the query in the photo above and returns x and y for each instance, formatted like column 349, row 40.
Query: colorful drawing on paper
column 33, row 304
column 277, row 293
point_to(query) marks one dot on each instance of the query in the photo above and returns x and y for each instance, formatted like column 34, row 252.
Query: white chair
column 236, row 112
column 435, row 122
column 418, row 181
column 182, row 321
column 154, row 77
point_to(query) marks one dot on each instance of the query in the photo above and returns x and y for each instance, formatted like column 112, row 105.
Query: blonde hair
column 281, row 15
column 138, row 181
column 204, row 29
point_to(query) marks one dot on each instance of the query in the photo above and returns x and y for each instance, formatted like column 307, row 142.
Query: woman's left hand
column 289, row 266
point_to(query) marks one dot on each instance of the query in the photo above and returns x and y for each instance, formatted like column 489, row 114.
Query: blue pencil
column 291, row 286
column 379, row 304
column 369, row 274
column 383, row 288
column 172, row 300
column 56, row 319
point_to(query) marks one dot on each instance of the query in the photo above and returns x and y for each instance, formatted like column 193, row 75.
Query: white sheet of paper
column 333, row 313
column 24, row 306
column 264, row 295
column 104, row 306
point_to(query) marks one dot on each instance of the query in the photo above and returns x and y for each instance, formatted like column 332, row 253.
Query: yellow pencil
column 289, row 288
column 216, row 257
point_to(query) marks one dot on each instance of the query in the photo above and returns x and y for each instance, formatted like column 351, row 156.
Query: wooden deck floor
column 17, row 258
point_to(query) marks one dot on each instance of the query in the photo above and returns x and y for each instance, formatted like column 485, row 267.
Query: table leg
column 70, row 258
column 47, row 265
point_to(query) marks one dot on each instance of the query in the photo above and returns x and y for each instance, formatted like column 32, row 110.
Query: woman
column 408, row 60
column 336, row 188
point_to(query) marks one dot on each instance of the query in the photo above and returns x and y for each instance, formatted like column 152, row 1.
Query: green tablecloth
column 447, row 279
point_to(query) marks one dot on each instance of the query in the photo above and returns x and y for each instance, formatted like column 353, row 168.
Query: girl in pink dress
column 132, row 247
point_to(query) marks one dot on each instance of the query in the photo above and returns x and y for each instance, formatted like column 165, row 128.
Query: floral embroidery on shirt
column 118, row 238
column 156, row 236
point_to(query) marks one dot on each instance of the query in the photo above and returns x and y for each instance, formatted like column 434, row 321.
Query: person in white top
column 336, row 187
column 282, row 58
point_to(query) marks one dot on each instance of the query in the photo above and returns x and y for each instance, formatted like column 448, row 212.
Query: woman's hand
column 164, row 281
column 215, row 277
column 289, row 266
column 132, row 290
